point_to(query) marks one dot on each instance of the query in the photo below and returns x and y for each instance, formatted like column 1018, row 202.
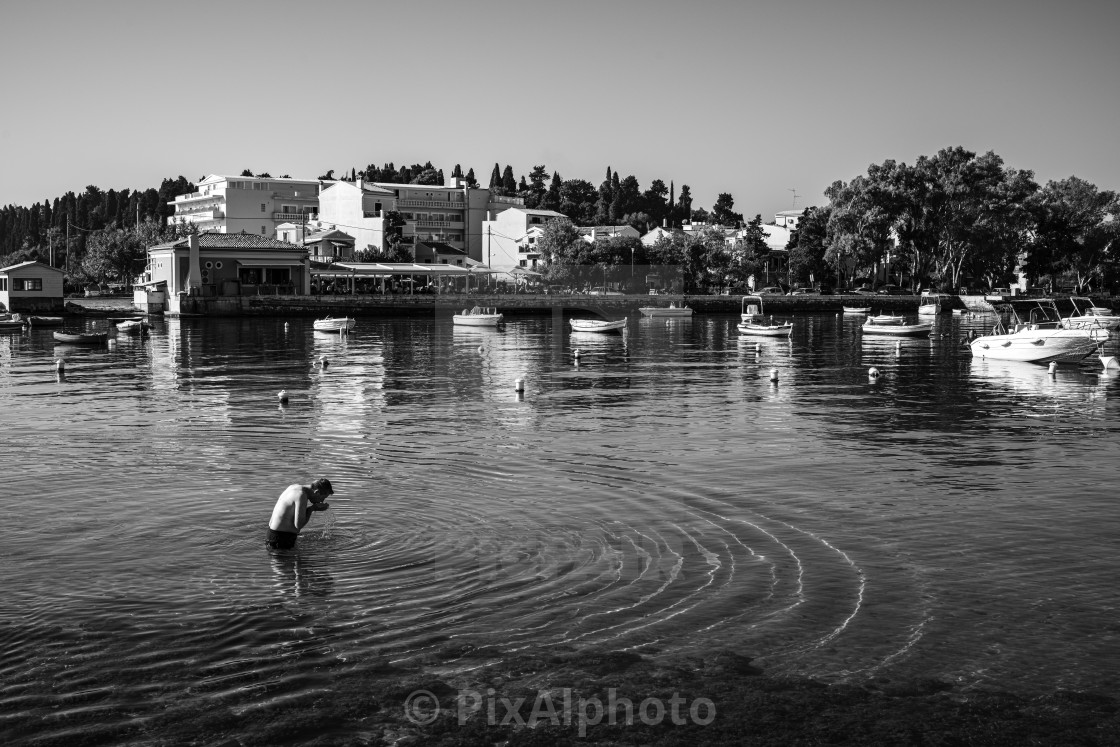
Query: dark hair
column 322, row 486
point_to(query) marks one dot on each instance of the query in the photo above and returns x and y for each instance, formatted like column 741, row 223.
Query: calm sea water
column 952, row 519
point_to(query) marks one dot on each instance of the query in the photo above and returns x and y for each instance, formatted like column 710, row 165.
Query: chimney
column 194, row 268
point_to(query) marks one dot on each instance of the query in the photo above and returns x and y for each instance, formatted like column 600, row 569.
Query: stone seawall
column 540, row 305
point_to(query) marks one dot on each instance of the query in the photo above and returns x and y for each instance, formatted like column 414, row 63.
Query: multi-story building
column 244, row 204
column 451, row 215
column 511, row 236
column 788, row 219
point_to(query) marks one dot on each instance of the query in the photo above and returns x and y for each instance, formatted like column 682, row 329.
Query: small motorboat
column 597, row 325
column 82, row 338
column 932, row 304
column 894, row 327
column 753, row 320
column 332, row 324
column 12, row 323
column 1086, row 314
column 479, row 316
column 671, row 310
column 1038, row 334
column 132, row 325
column 857, row 309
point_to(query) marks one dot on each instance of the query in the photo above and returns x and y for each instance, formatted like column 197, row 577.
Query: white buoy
column 575, row 353
column 1109, row 361
column 873, row 373
column 773, row 374
column 323, row 361
column 282, row 395
column 481, row 349
column 1053, row 368
column 59, row 365
column 519, row 385
column 758, row 347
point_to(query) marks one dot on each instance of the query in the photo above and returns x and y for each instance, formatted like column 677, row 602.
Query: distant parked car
column 802, row 292
column 864, row 290
column 771, row 291
column 997, row 294
column 892, row 290
column 825, row 290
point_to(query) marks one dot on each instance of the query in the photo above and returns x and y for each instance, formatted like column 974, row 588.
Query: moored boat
column 894, row 327
column 597, row 325
column 82, row 338
column 45, row 321
column 479, row 316
column 857, row 309
column 132, row 325
column 11, row 325
column 333, row 324
column 753, row 320
column 1087, row 314
column 671, row 310
column 1038, row 334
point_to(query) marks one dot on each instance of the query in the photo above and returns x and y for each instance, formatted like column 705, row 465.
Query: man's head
column 320, row 489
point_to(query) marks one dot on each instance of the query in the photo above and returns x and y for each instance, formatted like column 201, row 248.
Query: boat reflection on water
column 1068, row 390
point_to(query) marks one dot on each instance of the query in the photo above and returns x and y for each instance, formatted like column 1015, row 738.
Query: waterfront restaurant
column 31, row 286
column 350, row 278
column 212, row 272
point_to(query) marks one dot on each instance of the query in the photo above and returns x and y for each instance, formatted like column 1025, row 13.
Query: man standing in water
column 293, row 510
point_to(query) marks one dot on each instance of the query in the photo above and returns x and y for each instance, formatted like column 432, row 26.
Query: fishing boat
column 753, row 320
column 82, row 338
column 45, row 321
column 479, row 316
column 597, row 325
column 1037, row 333
column 1087, row 314
column 672, row 310
column 894, row 326
column 881, row 319
column 333, row 324
column 857, row 309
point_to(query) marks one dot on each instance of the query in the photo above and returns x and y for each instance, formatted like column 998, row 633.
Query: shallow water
column 661, row 494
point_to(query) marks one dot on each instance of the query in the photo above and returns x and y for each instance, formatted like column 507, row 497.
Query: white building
column 256, row 205
column 591, row 233
column 511, row 237
column 450, row 215
column 788, row 219
column 31, row 286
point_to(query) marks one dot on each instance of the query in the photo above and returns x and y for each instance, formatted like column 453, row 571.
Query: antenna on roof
column 794, row 190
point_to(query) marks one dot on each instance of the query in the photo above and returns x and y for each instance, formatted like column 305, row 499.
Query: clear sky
column 752, row 98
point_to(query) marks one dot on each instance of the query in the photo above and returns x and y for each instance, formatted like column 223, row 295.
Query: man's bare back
column 293, row 510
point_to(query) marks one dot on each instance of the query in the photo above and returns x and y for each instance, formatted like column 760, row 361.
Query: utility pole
column 794, row 190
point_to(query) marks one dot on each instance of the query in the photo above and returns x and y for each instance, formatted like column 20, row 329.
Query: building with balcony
column 511, row 236
column 449, row 215
column 256, row 205
column 324, row 242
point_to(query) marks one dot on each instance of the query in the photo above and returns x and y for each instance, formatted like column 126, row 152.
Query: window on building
column 262, row 230
column 524, row 263
column 30, row 284
column 262, row 207
column 3, row 284
column 278, row 275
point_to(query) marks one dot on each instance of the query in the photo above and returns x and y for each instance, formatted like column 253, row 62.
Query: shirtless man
column 293, row 510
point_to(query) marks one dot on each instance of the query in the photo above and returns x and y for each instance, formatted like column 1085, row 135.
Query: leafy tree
column 751, row 250
column 684, row 204
column 427, row 176
column 247, row 172
column 496, row 180
column 722, row 212
column 1076, row 230
column 551, row 200
column 808, row 246
column 654, row 202
column 577, row 201
column 509, row 184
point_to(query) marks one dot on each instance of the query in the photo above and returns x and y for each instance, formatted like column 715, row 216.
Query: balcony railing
column 507, row 200
column 372, row 214
column 439, row 223
column 432, row 204
column 293, row 217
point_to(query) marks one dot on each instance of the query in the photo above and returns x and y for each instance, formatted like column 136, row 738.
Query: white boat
column 1038, row 335
column 479, row 316
column 1086, row 314
column 45, row 321
column 597, row 325
column 670, row 310
column 132, row 325
column 932, row 304
column 881, row 319
column 753, row 320
column 857, row 309
column 894, row 326
column 331, row 324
